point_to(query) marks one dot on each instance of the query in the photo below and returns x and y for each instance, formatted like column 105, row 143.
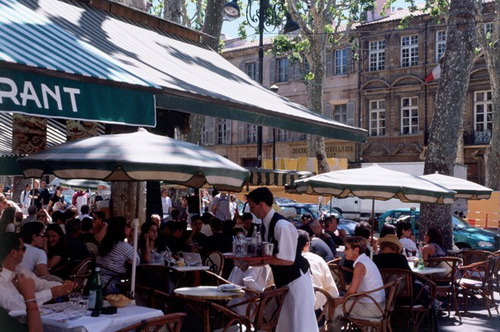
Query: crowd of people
column 48, row 241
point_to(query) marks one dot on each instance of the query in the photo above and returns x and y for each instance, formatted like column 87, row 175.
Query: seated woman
column 434, row 246
column 57, row 251
column 114, row 254
column 366, row 277
column 405, row 235
column 390, row 257
column 147, row 243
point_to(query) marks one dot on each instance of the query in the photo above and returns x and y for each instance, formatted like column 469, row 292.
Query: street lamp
column 263, row 18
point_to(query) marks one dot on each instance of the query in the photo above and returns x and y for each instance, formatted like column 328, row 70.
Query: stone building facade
column 383, row 90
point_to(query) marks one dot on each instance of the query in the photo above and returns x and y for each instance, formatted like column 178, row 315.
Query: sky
column 230, row 29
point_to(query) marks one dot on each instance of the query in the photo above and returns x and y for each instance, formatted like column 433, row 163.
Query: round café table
column 208, row 293
column 429, row 270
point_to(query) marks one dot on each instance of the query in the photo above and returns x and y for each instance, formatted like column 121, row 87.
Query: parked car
column 314, row 210
column 464, row 235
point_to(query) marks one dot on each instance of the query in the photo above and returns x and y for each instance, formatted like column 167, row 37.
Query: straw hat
column 391, row 238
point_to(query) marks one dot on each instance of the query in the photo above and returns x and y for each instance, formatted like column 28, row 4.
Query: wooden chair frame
column 406, row 300
column 81, row 273
column 167, row 323
column 211, row 259
column 366, row 324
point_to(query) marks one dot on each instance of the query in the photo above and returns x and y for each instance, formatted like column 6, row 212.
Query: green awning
column 46, row 71
column 9, row 165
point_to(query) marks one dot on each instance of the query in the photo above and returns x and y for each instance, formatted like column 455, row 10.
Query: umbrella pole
column 135, row 224
column 373, row 225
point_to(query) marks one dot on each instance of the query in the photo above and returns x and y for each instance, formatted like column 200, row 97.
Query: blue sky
column 230, row 29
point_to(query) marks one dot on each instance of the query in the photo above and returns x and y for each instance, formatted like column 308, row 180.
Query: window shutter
column 329, row 63
column 272, row 70
column 350, row 113
column 296, row 71
column 210, row 130
column 241, row 132
column 229, row 124
column 350, row 62
column 291, row 70
column 328, row 109
column 257, row 73
column 242, row 66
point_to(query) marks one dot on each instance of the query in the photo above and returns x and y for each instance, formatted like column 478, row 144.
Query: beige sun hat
column 391, row 238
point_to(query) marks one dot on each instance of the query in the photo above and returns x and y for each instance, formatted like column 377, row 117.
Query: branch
column 292, row 9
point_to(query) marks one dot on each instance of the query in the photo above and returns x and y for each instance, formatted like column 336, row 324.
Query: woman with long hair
column 7, row 220
column 405, row 235
column 115, row 254
column 434, row 244
column 57, row 251
column 147, row 242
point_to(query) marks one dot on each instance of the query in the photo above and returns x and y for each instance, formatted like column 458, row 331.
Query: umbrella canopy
column 84, row 184
column 139, row 156
column 376, row 182
column 464, row 188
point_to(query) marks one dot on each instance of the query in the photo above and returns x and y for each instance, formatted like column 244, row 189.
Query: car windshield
column 460, row 223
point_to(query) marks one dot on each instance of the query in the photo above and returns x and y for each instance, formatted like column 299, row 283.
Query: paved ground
column 475, row 320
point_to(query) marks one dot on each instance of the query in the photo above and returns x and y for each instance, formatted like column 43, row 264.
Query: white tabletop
column 430, row 270
column 74, row 318
column 190, row 268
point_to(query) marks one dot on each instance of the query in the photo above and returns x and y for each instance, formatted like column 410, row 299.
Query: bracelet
column 30, row 300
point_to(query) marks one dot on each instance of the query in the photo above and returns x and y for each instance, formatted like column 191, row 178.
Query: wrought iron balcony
column 477, row 137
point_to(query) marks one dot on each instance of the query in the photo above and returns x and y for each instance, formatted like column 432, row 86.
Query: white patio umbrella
column 140, row 156
column 463, row 188
column 377, row 183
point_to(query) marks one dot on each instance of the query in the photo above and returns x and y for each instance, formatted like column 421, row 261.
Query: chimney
column 375, row 14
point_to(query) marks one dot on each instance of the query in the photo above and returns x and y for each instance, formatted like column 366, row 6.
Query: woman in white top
column 405, row 235
column 366, row 277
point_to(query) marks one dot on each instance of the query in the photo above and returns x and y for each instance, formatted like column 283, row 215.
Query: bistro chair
column 470, row 256
column 416, row 303
column 368, row 324
column 167, row 323
column 214, row 260
column 447, row 282
column 325, row 317
column 156, row 276
column 264, row 310
column 338, row 273
column 478, row 278
column 81, row 273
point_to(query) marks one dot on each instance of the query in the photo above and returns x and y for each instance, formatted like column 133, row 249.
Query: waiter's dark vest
column 284, row 275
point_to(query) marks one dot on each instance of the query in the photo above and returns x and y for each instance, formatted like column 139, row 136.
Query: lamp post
column 263, row 18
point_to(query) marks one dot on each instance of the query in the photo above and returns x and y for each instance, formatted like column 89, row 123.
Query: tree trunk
column 316, row 144
column 213, row 23
column 196, row 122
column 450, row 102
column 172, row 10
column 128, row 199
column 491, row 49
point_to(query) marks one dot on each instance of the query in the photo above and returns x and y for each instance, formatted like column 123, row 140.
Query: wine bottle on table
column 95, row 293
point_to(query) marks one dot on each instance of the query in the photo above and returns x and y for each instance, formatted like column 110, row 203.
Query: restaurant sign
column 47, row 96
column 332, row 151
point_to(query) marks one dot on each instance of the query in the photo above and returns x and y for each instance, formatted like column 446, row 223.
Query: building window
column 409, row 116
column 483, row 107
column 340, row 61
column 282, row 134
column 488, row 29
column 251, row 70
column 440, row 44
column 251, row 133
column 409, row 51
column 223, row 131
column 377, row 55
column 340, row 113
column 282, row 70
column 208, row 136
column 377, row 117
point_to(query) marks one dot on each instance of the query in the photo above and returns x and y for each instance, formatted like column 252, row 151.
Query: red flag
column 434, row 75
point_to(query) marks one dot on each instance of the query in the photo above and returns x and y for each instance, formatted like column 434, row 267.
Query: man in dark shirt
column 218, row 241
column 195, row 238
column 317, row 230
column 331, row 228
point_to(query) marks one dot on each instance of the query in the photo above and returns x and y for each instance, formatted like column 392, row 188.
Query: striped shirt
column 113, row 263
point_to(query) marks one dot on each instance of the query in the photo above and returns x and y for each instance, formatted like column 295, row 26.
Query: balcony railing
column 477, row 137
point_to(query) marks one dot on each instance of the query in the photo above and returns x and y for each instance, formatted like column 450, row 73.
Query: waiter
column 289, row 268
